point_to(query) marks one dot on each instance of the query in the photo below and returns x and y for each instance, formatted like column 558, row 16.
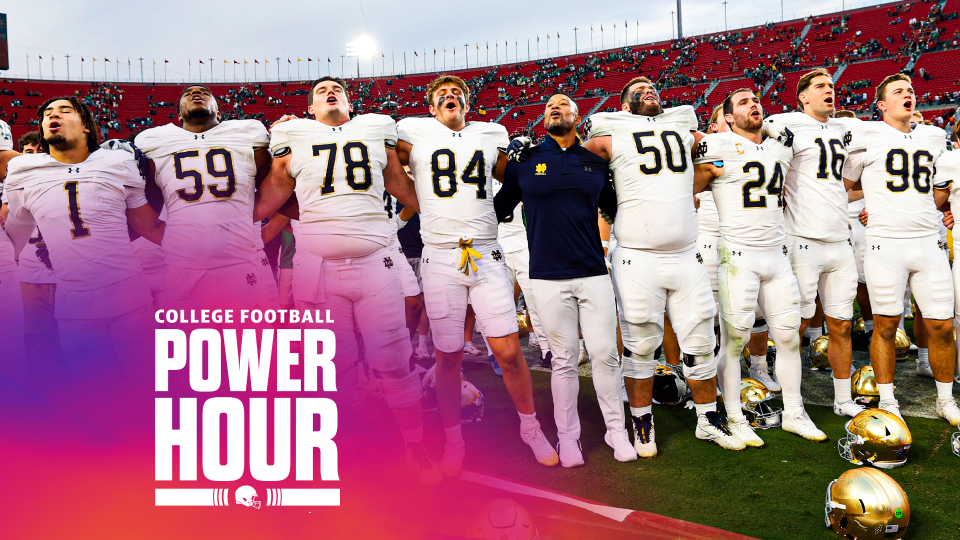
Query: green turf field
column 772, row 493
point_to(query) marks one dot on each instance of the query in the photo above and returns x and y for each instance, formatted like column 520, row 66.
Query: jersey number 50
column 222, row 170
column 668, row 150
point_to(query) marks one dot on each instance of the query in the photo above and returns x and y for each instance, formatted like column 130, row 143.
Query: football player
column 656, row 267
column 37, row 282
column 746, row 172
column 413, row 295
column 453, row 164
column 84, row 200
column 894, row 163
column 11, row 298
column 815, row 217
column 208, row 171
column 344, row 262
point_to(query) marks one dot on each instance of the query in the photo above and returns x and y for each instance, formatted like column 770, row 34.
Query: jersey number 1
column 79, row 230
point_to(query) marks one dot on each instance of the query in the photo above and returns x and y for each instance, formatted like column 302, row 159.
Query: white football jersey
column 339, row 174
column 81, row 209
column 208, row 184
column 708, row 219
column 653, row 176
column 815, row 196
column 6, row 136
column 897, row 171
column 453, row 173
column 948, row 170
column 749, row 192
column 511, row 233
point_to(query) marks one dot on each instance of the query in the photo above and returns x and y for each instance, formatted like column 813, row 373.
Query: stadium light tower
column 679, row 22
column 362, row 47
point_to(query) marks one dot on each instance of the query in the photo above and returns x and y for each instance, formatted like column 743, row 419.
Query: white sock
column 900, row 326
column 454, row 434
column 842, row 391
column 868, row 325
column 814, row 332
column 792, row 404
column 944, row 390
column 704, row 408
column 528, row 422
column 422, row 344
column 923, row 355
column 759, row 362
column 414, row 435
column 886, row 391
column 640, row 411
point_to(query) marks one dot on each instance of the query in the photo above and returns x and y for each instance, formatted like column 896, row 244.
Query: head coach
column 561, row 185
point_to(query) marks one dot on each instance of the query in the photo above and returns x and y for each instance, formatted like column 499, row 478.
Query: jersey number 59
column 221, row 170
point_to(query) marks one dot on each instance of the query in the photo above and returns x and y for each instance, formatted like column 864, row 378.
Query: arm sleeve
column 389, row 132
column 503, row 140
column 710, row 150
column 853, row 165
column 261, row 138
column 608, row 199
column 945, row 170
column 20, row 223
column 597, row 126
column 279, row 141
column 136, row 197
column 403, row 131
column 510, row 194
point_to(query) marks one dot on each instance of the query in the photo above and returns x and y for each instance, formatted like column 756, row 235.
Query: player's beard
column 748, row 123
column 559, row 127
column 639, row 106
column 199, row 113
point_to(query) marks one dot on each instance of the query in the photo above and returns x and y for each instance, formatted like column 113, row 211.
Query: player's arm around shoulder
column 397, row 182
column 276, row 187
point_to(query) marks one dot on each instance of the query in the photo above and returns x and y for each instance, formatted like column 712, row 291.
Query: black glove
column 519, row 150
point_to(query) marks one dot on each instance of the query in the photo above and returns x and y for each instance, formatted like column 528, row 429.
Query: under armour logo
column 736, row 253
column 707, row 246
column 699, row 258
column 197, row 137
column 425, row 261
column 801, row 247
column 73, row 170
column 251, row 279
column 497, row 256
column 264, row 261
column 388, row 262
column 874, row 247
column 626, row 262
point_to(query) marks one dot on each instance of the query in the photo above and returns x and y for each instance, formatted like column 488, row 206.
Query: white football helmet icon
column 247, row 496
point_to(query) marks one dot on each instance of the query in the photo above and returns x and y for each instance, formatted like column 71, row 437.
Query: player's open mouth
column 650, row 98
column 755, row 114
column 53, row 126
column 908, row 105
column 555, row 114
column 451, row 105
column 197, row 98
column 828, row 101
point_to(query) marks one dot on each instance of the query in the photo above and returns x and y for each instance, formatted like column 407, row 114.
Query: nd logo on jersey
column 541, row 169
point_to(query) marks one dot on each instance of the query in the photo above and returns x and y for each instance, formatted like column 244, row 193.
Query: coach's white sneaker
column 542, row 449
column 471, row 349
column 644, row 441
column 421, row 466
column 847, row 408
column 801, row 424
column 764, row 377
column 422, row 352
column 923, row 368
column 623, row 451
column 571, row 453
column 948, row 410
column 891, row 406
column 712, row 427
column 452, row 463
column 740, row 428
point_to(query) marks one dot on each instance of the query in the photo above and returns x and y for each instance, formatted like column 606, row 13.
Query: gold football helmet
column 902, row 343
column 865, row 389
column 669, row 386
column 818, row 354
column 866, row 504
column 876, row 437
column 522, row 328
column 755, row 401
column 859, row 327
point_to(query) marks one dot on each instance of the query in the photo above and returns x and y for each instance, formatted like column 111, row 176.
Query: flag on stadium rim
column 201, row 61
column 235, row 62
column 165, row 61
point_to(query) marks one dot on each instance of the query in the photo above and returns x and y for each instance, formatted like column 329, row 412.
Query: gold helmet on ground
column 860, row 327
column 669, row 386
column 522, row 327
column 866, row 504
column 876, row 437
column 755, row 401
column 902, row 344
column 818, row 354
column 864, row 385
